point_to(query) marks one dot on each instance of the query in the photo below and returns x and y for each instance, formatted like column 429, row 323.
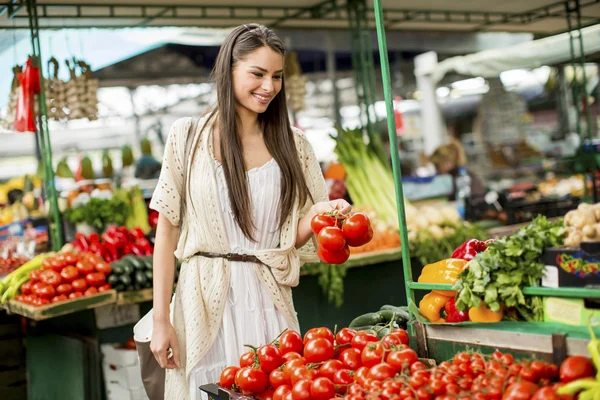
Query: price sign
column 114, row 315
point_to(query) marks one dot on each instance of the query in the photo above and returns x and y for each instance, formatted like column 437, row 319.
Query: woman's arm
column 304, row 231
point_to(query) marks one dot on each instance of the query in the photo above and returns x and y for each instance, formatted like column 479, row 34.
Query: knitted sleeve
column 166, row 196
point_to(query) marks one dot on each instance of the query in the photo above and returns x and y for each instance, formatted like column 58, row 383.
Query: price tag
column 113, row 315
column 550, row 278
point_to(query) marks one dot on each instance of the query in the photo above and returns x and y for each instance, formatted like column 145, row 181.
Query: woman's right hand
column 163, row 339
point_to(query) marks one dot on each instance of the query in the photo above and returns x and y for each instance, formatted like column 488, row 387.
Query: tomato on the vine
column 227, row 378
column 291, row 341
column 361, row 340
column 281, row 392
column 322, row 389
column 69, row 274
column 545, row 393
column 402, row 359
column 343, row 378
column 247, row 359
column 301, row 390
column 520, row 390
column 95, row 279
column 402, row 335
column 345, row 335
column 51, row 277
column 350, row 358
column 266, row 395
column 321, row 221
column 251, row 380
column 372, row 354
column 381, row 372
column 269, row 357
column 330, row 367
column 360, row 375
column 315, row 333
column 290, row 356
column 318, row 350
column 65, row 289
column 334, row 257
column 278, row 378
column 290, row 366
column 79, row 285
column 301, row 373
column 331, row 238
column 356, row 229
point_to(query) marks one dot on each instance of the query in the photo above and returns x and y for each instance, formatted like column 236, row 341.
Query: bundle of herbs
column 99, row 213
column 498, row 275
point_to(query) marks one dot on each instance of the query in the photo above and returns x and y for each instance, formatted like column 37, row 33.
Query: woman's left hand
column 326, row 206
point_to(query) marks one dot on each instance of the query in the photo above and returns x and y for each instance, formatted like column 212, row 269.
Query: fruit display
column 583, row 225
column 65, row 276
column 12, row 282
column 358, row 365
column 115, row 243
column 131, row 273
column 11, row 262
column 336, row 234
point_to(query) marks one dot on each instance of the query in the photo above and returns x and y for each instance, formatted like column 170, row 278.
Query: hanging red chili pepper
column 29, row 81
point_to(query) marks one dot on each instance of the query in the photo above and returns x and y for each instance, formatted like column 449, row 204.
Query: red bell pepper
column 137, row 250
column 138, row 233
column 81, row 242
column 469, row 249
column 453, row 314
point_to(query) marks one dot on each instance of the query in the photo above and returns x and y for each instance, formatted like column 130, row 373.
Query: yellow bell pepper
column 431, row 307
column 484, row 314
column 445, row 271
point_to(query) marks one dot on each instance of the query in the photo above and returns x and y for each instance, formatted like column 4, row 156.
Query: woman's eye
column 277, row 77
column 258, row 74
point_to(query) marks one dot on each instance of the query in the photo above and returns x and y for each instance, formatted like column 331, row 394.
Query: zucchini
column 400, row 311
column 367, row 319
column 137, row 262
column 125, row 280
column 117, row 268
column 390, row 315
column 113, row 279
column 128, row 269
column 148, row 275
column 147, row 262
column 140, row 278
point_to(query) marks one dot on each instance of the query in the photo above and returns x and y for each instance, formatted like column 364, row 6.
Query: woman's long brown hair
column 277, row 131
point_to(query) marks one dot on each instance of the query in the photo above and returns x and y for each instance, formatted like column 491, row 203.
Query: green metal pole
column 588, row 115
column 387, row 90
column 45, row 145
column 574, row 90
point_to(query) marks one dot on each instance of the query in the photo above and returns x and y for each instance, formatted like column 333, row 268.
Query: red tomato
column 75, row 295
column 318, row 350
column 330, row 367
column 290, row 366
column 315, row 333
column 40, row 301
column 45, row 291
column 227, row 378
column 546, row 393
column 65, row 288
column 381, row 372
column 26, row 288
column 69, row 274
column 248, row 359
column 266, row 395
column 301, row 390
column 576, row 367
column 251, row 380
column 104, row 267
column 342, row 379
column 290, row 341
column 292, row 355
column 402, row 334
column 361, row 375
column 361, row 340
column 350, row 358
column 90, row 291
column 391, row 339
column 372, row 354
column 95, row 279
column 104, row 288
column 58, row 298
column 57, row 264
column 278, row 378
column 331, row 238
column 47, row 263
column 334, row 257
column 51, row 277
column 345, row 335
column 418, row 366
column 301, row 373
column 281, row 392
column 520, row 391
column 356, row 229
column 84, row 268
column 269, row 358
column 35, row 275
column 322, row 389
column 71, row 259
column 402, row 359
column 321, row 221
column 79, row 285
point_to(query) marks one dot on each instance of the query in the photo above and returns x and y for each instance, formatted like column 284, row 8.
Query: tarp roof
column 536, row 16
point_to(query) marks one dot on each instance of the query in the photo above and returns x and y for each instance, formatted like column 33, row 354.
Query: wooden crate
column 62, row 308
column 138, row 296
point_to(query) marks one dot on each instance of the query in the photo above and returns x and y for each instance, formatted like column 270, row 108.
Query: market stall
column 70, row 327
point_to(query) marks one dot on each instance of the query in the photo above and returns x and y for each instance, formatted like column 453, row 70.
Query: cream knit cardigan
column 204, row 283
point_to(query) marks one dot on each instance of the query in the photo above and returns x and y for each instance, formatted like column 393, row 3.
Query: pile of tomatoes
column 65, row 276
column 356, row 365
column 336, row 234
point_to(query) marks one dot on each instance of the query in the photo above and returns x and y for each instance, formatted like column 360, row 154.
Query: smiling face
column 257, row 79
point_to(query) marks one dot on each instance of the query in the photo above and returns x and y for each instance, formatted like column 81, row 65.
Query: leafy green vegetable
column 498, row 275
column 99, row 213
column 330, row 278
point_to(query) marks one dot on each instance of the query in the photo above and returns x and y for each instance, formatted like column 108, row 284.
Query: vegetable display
column 583, row 225
column 358, row 365
column 496, row 276
column 115, row 243
column 99, row 212
column 11, row 283
column 335, row 235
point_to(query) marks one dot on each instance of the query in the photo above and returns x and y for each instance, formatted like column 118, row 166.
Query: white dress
column 250, row 317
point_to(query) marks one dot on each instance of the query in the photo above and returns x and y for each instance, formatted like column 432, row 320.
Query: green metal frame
column 42, row 132
column 410, row 285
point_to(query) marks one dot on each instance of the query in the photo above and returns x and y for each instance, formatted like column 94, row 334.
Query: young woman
column 253, row 186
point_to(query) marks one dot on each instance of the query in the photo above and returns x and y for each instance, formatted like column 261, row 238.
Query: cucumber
column 136, row 262
column 147, row 262
column 140, row 278
column 400, row 311
column 125, row 280
column 388, row 315
column 367, row 319
column 149, row 275
column 117, row 268
column 128, row 269
column 364, row 328
column 113, row 279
